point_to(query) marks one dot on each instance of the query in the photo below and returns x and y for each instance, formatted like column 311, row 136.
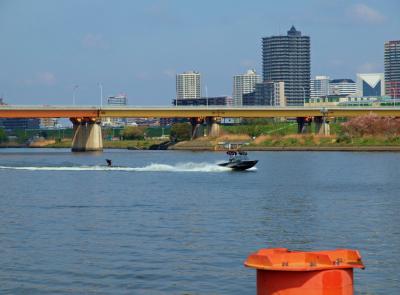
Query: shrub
column 181, row 132
column 3, row 135
column 343, row 138
column 133, row 132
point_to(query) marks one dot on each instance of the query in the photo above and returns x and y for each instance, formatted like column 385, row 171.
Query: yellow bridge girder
column 260, row 112
column 10, row 111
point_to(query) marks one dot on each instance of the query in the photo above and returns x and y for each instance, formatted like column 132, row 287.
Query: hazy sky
column 137, row 47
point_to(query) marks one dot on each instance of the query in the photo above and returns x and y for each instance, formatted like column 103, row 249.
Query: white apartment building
column 188, row 85
column 319, row 87
column 243, row 84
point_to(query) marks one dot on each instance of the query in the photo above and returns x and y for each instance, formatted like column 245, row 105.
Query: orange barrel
column 284, row 272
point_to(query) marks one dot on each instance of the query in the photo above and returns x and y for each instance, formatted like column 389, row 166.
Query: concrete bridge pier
column 322, row 125
column 197, row 130
column 213, row 126
column 303, row 124
column 87, row 135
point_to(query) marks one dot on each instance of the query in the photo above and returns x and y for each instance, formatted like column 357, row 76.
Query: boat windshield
column 237, row 156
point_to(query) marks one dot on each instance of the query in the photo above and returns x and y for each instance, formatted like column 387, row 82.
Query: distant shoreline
column 302, row 149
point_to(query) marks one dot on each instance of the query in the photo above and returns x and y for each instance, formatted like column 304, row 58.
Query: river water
column 168, row 222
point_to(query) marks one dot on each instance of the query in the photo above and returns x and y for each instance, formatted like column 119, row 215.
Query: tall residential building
column 370, row 84
column 287, row 59
column 243, row 84
column 319, row 87
column 342, row 87
column 392, row 68
column 188, row 85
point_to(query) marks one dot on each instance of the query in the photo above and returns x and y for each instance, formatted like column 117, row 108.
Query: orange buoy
column 284, row 272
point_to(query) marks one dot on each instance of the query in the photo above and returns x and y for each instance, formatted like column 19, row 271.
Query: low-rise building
column 268, row 93
column 13, row 124
column 119, row 100
column 48, row 123
column 204, row 101
column 342, row 87
column 352, row 101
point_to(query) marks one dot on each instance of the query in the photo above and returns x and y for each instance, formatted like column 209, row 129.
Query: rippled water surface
column 175, row 223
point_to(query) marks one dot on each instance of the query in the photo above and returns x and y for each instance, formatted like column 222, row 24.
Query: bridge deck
column 10, row 111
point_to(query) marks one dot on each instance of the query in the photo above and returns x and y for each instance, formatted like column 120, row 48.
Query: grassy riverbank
column 295, row 142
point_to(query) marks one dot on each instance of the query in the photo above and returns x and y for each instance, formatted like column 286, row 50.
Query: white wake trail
column 154, row 167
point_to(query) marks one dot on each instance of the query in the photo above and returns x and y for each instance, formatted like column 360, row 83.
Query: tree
column 133, row 132
column 181, row 131
column 3, row 136
column 22, row 136
column 372, row 125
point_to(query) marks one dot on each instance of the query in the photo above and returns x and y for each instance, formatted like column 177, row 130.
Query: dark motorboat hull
column 239, row 165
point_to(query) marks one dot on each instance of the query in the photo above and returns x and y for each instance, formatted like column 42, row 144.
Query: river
column 172, row 222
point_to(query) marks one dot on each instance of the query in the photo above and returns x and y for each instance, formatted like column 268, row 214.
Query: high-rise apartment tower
column 188, row 85
column 287, row 59
column 243, row 84
column 392, row 68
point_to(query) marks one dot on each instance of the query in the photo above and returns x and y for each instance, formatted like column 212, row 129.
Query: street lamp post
column 74, row 93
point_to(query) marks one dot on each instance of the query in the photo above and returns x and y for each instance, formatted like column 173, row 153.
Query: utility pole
column 206, row 96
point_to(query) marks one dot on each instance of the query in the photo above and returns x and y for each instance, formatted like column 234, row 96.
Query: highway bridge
column 87, row 130
column 47, row 111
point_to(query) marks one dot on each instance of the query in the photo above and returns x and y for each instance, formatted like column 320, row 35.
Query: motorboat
column 238, row 161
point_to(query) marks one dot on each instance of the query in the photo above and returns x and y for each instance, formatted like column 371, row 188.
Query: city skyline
column 133, row 47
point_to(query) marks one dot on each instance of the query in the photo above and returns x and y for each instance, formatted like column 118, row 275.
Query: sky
column 137, row 47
